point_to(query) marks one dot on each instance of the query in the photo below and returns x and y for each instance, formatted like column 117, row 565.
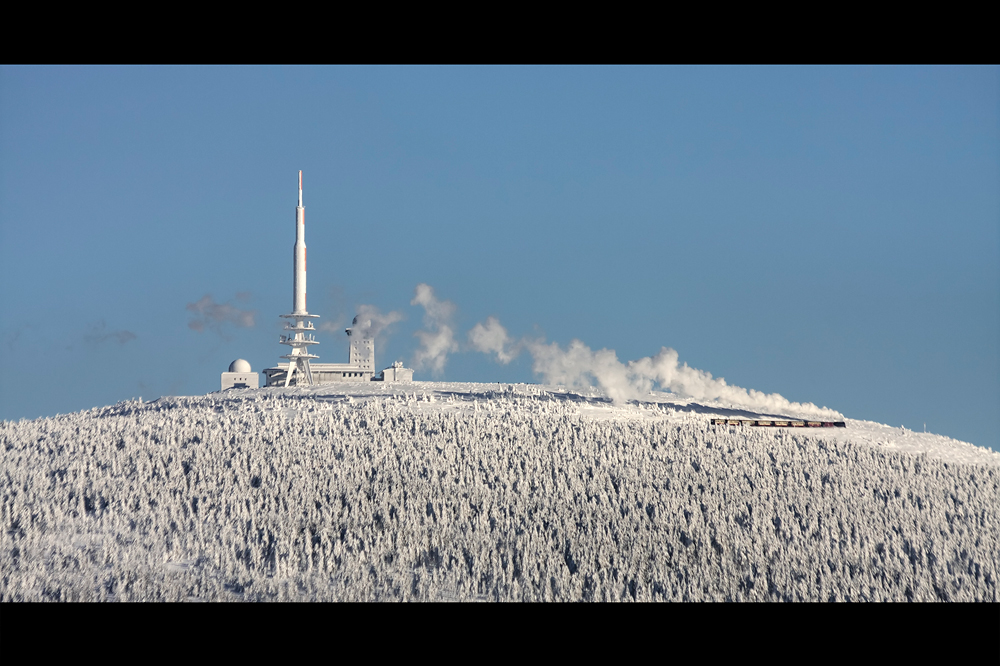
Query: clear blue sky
column 830, row 234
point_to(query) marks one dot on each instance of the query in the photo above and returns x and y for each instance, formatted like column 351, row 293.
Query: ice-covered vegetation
column 422, row 494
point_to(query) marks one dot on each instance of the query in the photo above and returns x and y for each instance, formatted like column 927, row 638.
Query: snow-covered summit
column 459, row 397
column 430, row 490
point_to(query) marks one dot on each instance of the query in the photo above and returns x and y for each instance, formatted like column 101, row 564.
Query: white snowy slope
column 454, row 491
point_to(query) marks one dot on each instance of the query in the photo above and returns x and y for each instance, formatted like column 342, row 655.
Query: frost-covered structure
column 239, row 376
column 414, row 492
column 299, row 370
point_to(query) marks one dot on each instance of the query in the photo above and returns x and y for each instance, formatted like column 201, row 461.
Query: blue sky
column 831, row 234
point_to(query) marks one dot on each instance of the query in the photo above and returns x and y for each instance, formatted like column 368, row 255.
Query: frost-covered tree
column 288, row 496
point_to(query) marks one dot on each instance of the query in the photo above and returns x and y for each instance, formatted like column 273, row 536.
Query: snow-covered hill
column 447, row 491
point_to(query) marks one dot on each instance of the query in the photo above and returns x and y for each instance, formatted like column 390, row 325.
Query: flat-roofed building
column 396, row 373
column 322, row 373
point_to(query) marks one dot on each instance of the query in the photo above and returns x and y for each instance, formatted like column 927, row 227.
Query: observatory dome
column 239, row 365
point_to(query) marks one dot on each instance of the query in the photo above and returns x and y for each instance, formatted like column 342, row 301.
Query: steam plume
column 439, row 340
column 579, row 366
column 492, row 338
column 371, row 322
column 211, row 315
column 335, row 326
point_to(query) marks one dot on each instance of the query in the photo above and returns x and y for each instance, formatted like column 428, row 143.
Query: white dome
column 239, row 365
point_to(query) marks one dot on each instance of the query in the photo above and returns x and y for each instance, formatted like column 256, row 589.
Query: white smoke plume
column 578, row 366
column 439, row 340
column 335, row 326
column 211, row 315
column 370, row 322
column 492, row 338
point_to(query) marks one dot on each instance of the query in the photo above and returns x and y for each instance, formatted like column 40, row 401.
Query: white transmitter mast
column 300, row 371
column 302, row 329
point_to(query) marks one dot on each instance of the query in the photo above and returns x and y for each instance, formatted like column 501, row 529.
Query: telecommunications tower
column 301, row 336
